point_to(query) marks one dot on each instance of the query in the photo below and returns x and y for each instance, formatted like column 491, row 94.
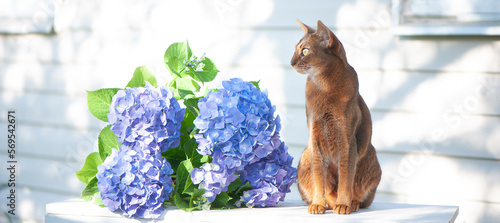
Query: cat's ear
column 307, row 29
column 328, row 36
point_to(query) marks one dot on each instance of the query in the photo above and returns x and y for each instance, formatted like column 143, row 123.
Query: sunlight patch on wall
column 77, row 112
column 354, row 15
column 255, row 14
column 26, row 206
column 469, row 61
column 19, row 77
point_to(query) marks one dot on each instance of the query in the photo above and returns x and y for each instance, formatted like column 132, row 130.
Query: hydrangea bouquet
column 216, row 149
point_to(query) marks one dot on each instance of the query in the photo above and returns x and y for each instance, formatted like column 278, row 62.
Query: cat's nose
column 292, row 62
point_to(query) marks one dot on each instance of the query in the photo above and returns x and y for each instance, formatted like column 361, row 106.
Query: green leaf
column 180, row 203
column 90, row 190
column 141, row 75
column 198, row 192
column 243, row 188
column 205, row 159
column 234, row 185
column 187, row 85
column 89, row 169
column 98, row 201
column 106, row 142
column 195, row 159
column 193, row 191
column 256, row 84
column 185, row 88
column 174, row 57
column 190, row 148
column 188, row 129
column 208, row 73
column 221, row 200
column 235, row 191
column 99, row 101
column 183, row 177
column 192, row 105
column 174, row 156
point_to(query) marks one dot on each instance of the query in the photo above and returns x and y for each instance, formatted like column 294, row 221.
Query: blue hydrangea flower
column 135, row 182
column 239, row 130
column 149, row 115
column 236, row 124
column 213, row 179
column 270, row 177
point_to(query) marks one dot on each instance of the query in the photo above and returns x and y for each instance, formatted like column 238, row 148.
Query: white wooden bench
column 80, row 211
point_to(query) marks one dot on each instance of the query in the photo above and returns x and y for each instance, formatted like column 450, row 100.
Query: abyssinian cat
column 339, row 169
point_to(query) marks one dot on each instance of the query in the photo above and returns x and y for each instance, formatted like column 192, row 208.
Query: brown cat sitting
column 339, row 169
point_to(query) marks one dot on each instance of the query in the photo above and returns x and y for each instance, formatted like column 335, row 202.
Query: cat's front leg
column 347, row 161
column 337, row 136
column 318, row 204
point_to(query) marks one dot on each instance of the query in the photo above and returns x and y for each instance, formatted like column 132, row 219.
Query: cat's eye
column 305, row 51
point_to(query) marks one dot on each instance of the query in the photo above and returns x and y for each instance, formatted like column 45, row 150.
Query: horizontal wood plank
column 65, row 79
column 464, row 93
column 435, row 178
column 256, row 48
column 255, row 14
column 30, row 204
column 69, row 146
column 431, row 133
column 56, row 110
column 454, row 92
column 455, row 97
column 47, row 175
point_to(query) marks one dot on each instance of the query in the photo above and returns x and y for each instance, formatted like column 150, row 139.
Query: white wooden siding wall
column 434, row 100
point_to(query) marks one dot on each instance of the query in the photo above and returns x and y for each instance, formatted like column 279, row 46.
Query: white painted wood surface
column 446, row 17
column 435, row 101
column 81, row 211
column 33, row 16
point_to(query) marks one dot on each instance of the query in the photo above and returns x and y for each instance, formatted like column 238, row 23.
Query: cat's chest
column 319, row 103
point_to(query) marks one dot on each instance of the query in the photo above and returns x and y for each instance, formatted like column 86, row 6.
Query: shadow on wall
column 95, row 45
column 45, row 77
column 433, row 99
column 434, row 124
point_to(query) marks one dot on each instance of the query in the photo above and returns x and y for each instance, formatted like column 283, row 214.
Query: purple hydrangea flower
column 239, row 130
column 135, row 182
column 213, row 179
column 149, row 115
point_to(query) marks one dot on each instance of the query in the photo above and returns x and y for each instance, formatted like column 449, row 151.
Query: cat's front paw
column 355, row 206
column 341, row 209
column 316, row 209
